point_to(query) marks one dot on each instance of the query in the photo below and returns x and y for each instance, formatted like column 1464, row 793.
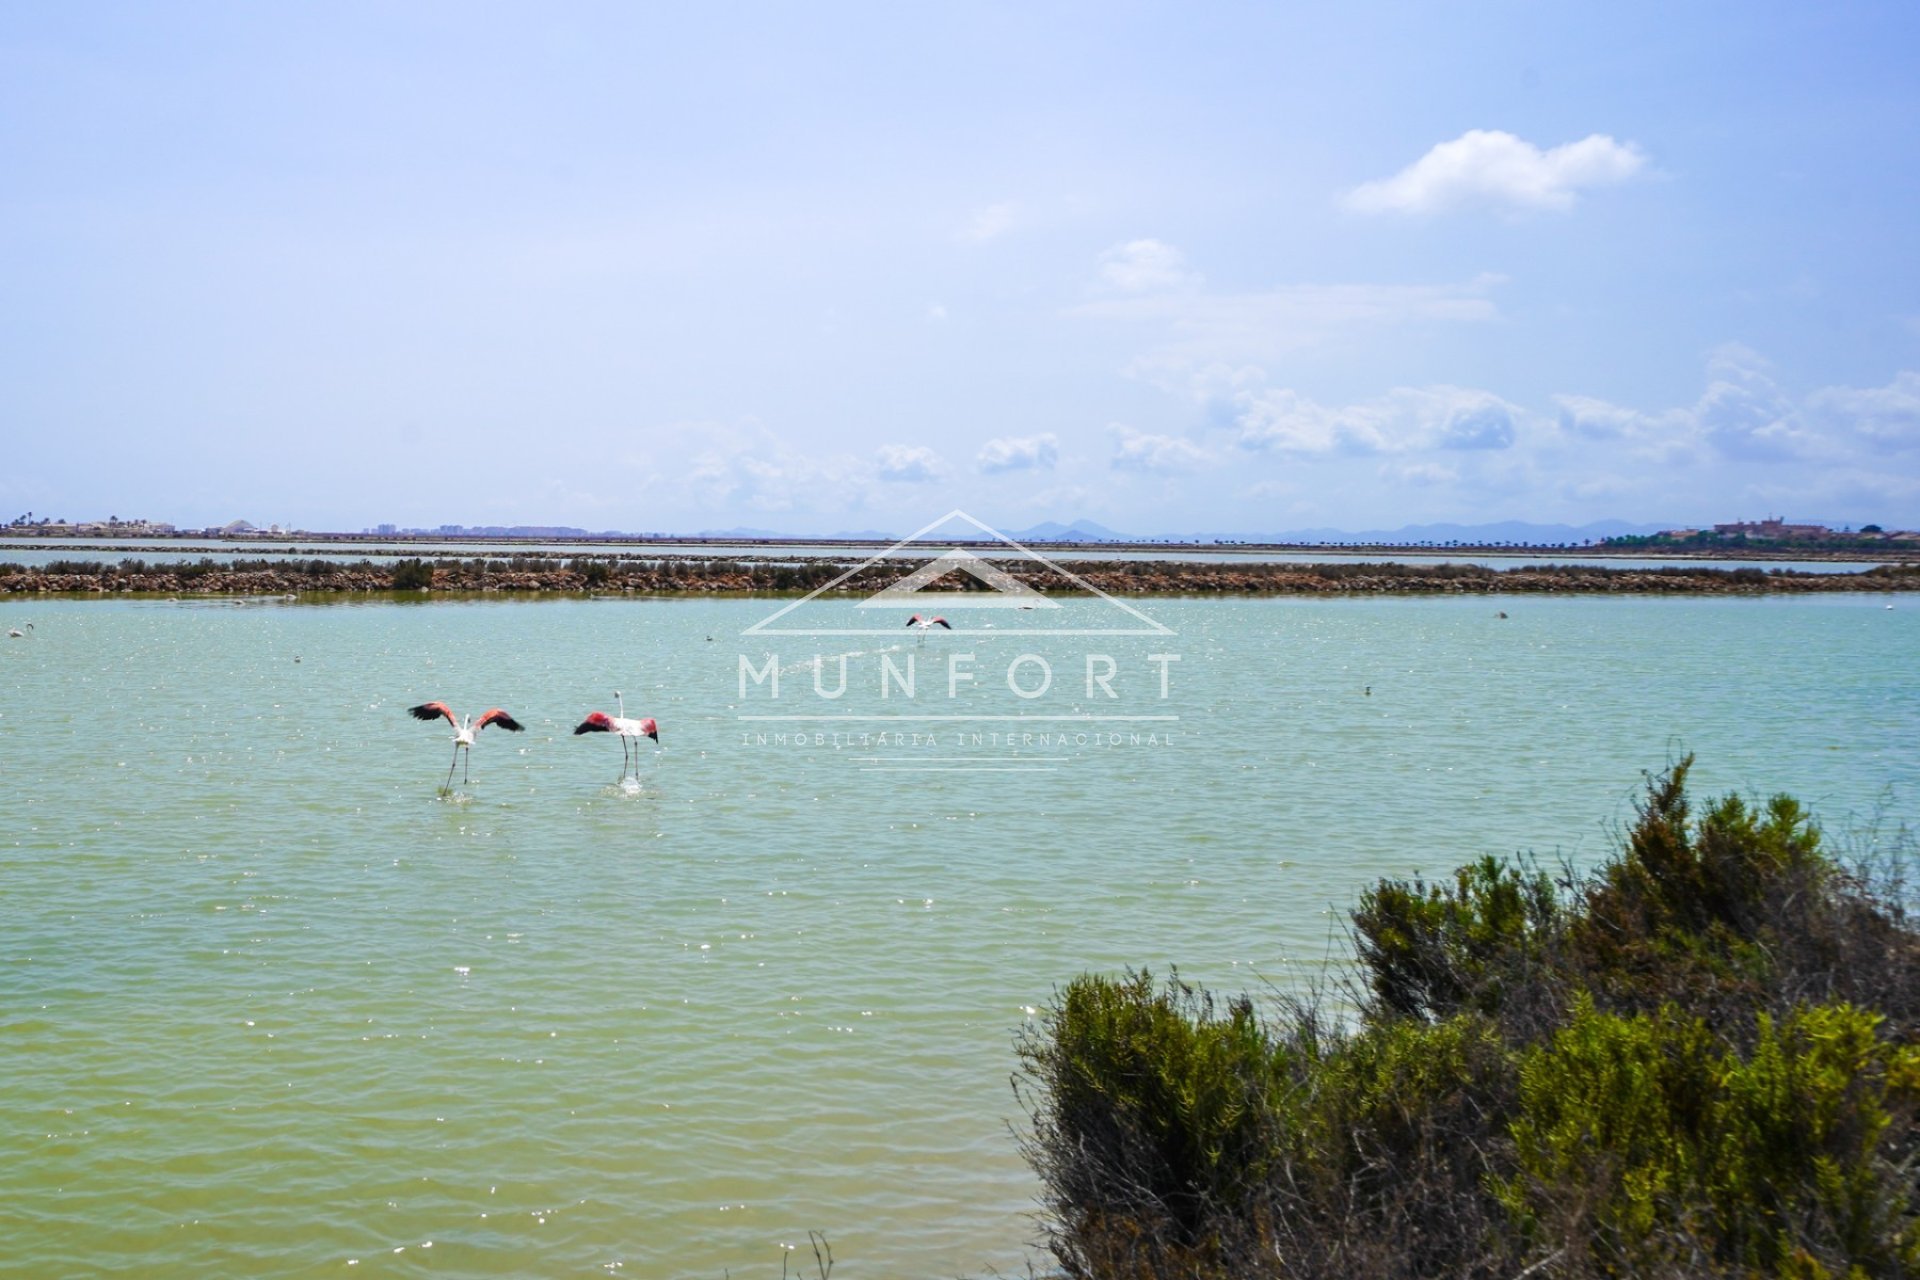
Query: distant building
column 1773, row 528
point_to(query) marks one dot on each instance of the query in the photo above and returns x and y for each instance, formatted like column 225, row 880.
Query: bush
column 412, row 575
column 1702, row 1059
column 594, row 573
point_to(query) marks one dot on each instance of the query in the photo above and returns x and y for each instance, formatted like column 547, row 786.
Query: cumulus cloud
column 1156, row 455
column 1020, row 453
column 909, row 464
column 1887, row 417
column 1404, row 419
column 1491, row 168
column 1744, row 415
column 1146, row 266
column 1599, row 420
column 748, row 467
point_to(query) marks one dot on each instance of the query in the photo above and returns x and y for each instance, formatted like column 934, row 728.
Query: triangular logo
column 919, row 590
column 1004, row 591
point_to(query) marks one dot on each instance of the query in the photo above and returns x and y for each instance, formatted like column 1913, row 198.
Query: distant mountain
column 1493, row 534
column 744, row 534
column 1078, row 531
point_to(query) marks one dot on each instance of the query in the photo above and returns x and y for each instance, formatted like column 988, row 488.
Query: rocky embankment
column 550, row 575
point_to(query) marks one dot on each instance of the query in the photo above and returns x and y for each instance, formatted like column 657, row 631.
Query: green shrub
column 1701, row 1059
column 1160, row 1099
column 412, row 575
column 594, row 573
column 1431, row 951
column 1644, row 1139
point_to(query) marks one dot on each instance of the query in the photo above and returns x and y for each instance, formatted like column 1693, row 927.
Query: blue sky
column 811, row 268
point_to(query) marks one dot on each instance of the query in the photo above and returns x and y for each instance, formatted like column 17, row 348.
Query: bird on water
column 629, row 731
column 464, row 731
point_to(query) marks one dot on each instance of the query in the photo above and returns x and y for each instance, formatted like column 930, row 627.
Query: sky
column 814, row 268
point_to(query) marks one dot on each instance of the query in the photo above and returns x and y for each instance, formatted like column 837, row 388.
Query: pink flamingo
column 924, row 625
column 628, row 731
column 463, row 731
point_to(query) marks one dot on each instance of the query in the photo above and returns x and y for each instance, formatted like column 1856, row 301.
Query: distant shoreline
column 348, row 544
column 655, row 576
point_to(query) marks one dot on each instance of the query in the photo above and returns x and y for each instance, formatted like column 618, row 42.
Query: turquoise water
column 272, row 1004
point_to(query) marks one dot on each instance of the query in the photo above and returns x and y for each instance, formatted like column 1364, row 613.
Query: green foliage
column 595, row 573
column 1645, row 1137
column 1702, row 1059
column 412, row 575
column 1430, row 950
column 1152, row 1085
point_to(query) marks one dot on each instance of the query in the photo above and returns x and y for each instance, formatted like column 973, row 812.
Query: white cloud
column 1423, row 474
column 936, row 313
column 909, row 464
column 989, row 223
column 1402, row 420
column 1887, row 417
column 1745, row 415
column 1599, row 420
column 1157, row 455
column 1488, row 167
column 749, row 468
column 1020, row 453
column 1146, row 266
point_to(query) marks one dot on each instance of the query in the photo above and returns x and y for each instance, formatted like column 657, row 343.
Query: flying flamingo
column 628, row 731
column 463, row 731
column 924, row 625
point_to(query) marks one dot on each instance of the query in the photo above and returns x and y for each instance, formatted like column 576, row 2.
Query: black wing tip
column 588, row 727
column 510, row 724
column 425, row 711
column 655, row 735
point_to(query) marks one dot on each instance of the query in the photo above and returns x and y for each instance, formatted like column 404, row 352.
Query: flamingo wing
column 651, row 729
column 598, row 722
column 942, row 622
column 499, row 717
column 914, row 621
column 433, row 711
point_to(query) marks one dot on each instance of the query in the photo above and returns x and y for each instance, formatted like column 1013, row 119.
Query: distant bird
column 463, row 731
column 628, row 731
column 924, row 625
column 15, row 633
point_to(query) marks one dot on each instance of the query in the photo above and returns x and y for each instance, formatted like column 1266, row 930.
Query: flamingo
column 15, row 633
column 924, row 625
column 463, row 731
column 628, row 731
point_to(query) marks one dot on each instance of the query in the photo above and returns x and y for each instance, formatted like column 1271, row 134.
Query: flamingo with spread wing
column 629, row 731
column 464, row 731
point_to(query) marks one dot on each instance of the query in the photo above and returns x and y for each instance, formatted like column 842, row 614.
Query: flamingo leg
column 466, row 775
column 450, row 766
